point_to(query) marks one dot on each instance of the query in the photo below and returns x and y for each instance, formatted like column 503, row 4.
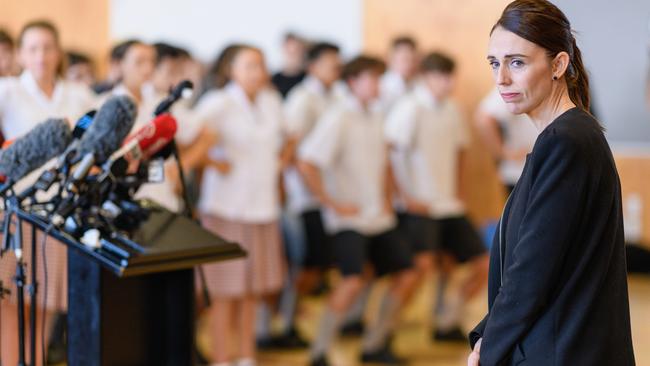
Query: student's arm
column 413, row 205
column 461, row 171
column 400, row 131
column 313, row 178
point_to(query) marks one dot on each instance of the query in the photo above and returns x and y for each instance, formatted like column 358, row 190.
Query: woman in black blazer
column 557, row 286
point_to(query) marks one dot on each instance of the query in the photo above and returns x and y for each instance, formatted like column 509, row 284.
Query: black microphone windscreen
column 34, row 149
column 110, row 126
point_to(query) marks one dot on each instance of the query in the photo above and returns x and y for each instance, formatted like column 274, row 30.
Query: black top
column 284, row 83
column 562, row 297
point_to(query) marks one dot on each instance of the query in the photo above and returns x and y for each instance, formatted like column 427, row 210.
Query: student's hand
column 417, row 207
column 474, row 357
column 221, row 166
column 344, row 210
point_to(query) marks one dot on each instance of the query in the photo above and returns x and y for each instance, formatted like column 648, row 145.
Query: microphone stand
column 19, row 279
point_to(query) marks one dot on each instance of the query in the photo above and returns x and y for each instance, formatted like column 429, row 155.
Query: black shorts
column 422, row 233
column 388, row 252
column 455, row 235
column 318, row 247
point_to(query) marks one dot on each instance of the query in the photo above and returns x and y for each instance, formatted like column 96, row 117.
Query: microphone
column 110, row 126
column 182, row 90
column 143, row 144
column 32, row 150
column 48, row 177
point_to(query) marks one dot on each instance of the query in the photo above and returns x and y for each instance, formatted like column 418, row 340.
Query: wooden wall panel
column 83, row 24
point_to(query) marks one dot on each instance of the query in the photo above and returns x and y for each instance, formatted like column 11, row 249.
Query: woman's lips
column 509, row 97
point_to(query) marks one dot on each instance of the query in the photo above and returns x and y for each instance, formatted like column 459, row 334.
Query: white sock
column 245, row 362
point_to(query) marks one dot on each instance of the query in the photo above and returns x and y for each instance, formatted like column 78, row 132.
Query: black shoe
column 320, row 361
column 291, row 340
column 383, row 356
column 353, row 329
column 264, row 344
column 454, row 335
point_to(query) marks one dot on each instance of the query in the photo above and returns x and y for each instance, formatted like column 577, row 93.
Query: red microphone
column 155, row 135
column 148, row 140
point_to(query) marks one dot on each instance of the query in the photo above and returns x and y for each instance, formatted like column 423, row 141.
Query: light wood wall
column 83, row 24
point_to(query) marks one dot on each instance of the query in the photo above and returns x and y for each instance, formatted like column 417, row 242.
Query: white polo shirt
column 250, row 139
column 305, row 104
column 393, row 86
column 349, row 148
column 519, row 132
column 23, row 106
column 431, row 134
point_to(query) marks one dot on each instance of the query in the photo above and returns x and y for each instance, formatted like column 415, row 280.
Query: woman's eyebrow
column 513, row 55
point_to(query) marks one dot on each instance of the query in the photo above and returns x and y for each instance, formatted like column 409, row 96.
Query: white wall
column 206, row 26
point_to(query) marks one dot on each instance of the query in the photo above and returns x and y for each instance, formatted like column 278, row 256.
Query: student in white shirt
column 427, row 127
column 344, row 161
column 37, row 94
column 401, row 75
column 304, row 106
column 239, row 198
column 509, row 137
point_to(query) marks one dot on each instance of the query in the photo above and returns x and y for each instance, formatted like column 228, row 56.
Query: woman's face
column 522, row 71
column 249, row 71
column 39, row 53
column 138, row 64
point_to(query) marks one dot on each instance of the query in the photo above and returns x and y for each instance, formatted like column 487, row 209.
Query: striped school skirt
column 262, row 272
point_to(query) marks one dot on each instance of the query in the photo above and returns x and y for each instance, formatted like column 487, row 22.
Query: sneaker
column 453, row 335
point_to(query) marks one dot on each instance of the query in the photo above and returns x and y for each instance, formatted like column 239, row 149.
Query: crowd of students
column 330, row 164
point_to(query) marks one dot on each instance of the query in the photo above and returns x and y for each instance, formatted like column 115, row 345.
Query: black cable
column 45, row 278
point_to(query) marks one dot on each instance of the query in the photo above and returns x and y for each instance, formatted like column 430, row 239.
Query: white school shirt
column 519, row 132
column 305, row 104
column 23, row 106
column 348, row 147
column 392, row 86
column 250, row 139
column 431, row 133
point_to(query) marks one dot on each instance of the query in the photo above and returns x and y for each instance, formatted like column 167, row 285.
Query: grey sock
column 439, row 301
column 289, row 301
column 328, row 329
column 376, row 336
column 263, row 321
column 355, row 314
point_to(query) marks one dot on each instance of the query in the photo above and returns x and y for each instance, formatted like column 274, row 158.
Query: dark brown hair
column 361, row 64
column 5, row 38
column 404, row 41
column 437, row 62
column 544, row 24
column 50, row 27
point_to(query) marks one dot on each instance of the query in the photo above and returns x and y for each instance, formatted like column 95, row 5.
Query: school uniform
column 348, row 146
column 243, row 205
column 306, row 103
column 431, row 133
column 22, row 107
